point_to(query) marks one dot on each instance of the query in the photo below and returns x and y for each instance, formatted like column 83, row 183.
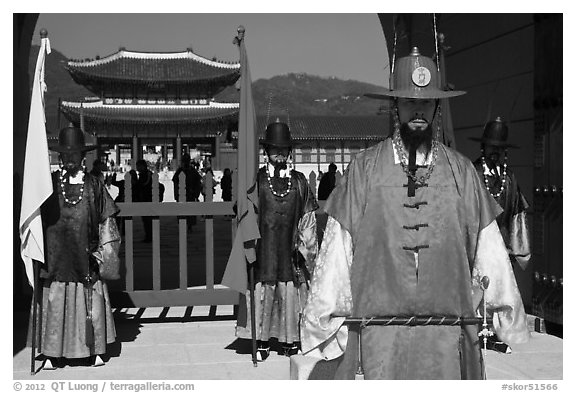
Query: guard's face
column 72, row 161
column 417, row 114
column 278, row 155
column 494, row 154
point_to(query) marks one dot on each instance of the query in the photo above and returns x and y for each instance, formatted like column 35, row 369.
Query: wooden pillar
column 135, row 151
column 117, row 158
column 178, row 152
column 91, row 155
column 342, row 144
column 318, row 155
column 216, row 163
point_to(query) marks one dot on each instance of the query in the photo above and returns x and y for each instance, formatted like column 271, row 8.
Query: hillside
column 60, row 85
column 300, row 94
column 304, row 94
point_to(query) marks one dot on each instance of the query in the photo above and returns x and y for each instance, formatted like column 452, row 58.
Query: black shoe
column 289, row 350
column 49, row 364
column 262, row 354
column 96, row 361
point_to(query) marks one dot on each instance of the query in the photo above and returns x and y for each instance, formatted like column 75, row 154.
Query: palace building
column 153, row 99
column 164, row 103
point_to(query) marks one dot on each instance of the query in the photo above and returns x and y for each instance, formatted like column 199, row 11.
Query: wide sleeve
column 107, row 206
column 323, row 334
column 307, row 239
column 519, row 234
column 310, row 204
column 347, row 201
column 109, row 238
column 502, row 296
column 479, row 210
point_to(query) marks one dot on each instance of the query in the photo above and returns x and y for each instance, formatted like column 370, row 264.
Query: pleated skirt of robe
column 278, row 307
column 64, row 321
column 412, row 353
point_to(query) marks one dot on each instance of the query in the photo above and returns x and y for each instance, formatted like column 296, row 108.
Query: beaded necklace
column 401, row 151
column 502, row 177
column 63, row 190
column 279, row 194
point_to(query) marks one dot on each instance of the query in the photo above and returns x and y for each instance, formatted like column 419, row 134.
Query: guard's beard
column 279, row 162
column 72, row 168
column 280, row 165
column 421, row 140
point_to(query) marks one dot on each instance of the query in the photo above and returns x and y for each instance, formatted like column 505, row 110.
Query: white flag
column 37, row 181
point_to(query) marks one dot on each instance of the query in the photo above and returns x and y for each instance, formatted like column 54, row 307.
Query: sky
column 344, row 45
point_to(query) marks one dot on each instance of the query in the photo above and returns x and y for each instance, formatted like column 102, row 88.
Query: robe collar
column 283, row 172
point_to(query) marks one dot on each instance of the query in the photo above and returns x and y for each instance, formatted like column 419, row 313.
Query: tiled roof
column 111, row 120
column 117, row 120
column 304, row 128
column 157, row 113
column 139, row 67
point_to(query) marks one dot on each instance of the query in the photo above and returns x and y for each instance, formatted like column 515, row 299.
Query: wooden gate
column 128, row 295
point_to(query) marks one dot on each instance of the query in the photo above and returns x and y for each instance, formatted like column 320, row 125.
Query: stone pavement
column 198, row 343
column 169, row 344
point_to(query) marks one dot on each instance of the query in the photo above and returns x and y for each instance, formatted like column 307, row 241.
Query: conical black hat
column 71, row 139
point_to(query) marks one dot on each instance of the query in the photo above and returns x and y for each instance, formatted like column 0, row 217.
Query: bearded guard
column 501, row 183
column 411, row 233
column 82, row 250
column 287, row 248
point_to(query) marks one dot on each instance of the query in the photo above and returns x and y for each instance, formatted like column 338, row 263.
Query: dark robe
column 513, row 223
column 70, row 306
column 280, row 288
column 278, row 223
column 71, row 231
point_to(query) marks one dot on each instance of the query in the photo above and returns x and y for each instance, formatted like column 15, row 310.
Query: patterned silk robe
column 387, row 254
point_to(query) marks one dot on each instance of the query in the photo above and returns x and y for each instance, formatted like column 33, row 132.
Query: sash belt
column 416, row 321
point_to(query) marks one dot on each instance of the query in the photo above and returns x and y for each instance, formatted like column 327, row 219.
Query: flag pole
column 28, row 221
column 238, row 275
column 240, row 41
column 252, row 314
column 35, row 301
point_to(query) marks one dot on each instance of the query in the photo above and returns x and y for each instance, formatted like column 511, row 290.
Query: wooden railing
column 211, row 294
column 184, row 295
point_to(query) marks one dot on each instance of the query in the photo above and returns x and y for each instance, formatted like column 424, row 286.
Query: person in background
column 142, row 192
column 120, row 197
column 411, row 232
column 193, row 184
column 78, row 220
column 98, row 168
column 208, row 173
column 327, row 182
column 226, row 185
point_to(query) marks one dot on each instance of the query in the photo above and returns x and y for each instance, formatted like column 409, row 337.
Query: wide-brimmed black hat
column 495, row 134
column 278, row 134
column 415, row 76
column 71, row 139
